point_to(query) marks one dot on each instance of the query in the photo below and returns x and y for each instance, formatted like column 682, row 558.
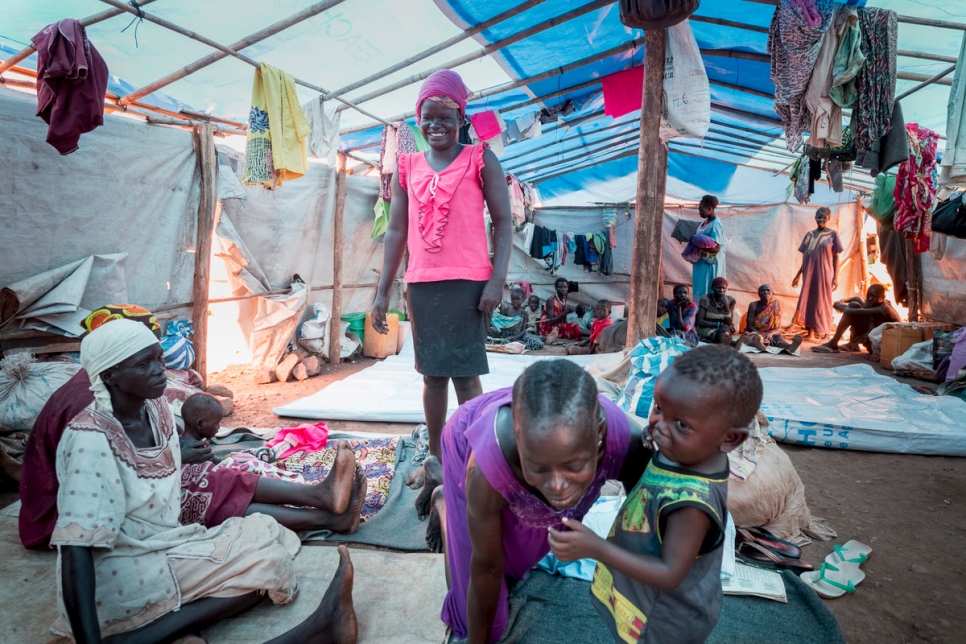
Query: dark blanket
column 548, row 609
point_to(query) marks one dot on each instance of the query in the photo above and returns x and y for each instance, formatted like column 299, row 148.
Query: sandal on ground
column 770, row 541
column 834, row 581
column 851, row 552
column 824, row 348
column 755, row 554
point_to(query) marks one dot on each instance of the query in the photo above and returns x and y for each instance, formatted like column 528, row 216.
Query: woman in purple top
column 515, row 463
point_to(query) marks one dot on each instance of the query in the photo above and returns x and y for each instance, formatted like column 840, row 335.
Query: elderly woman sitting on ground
column 127, row 569
column 716, row 312
column 762, row 323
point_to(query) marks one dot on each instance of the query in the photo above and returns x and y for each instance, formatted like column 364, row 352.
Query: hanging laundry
column 381, row 223
column 794, row 46
column 890, row 149
column 387, row 161
column 876, row 82
column 809, row 12
column 849, row 57
column 529, row 200
column 883, row 202
column 487, row 124
column 623, row 91
column 580, row 246
column 606, row 266
column 799, row 178
column 324, row 120
column 517, row 210
column 411, row 141
column 609, row 218
column 277, row 129
column 952, row 169
column 826, row 124
column 71, row 82
column 541, row 246
column 590, row 253
column 600, row 241
column 915, row 191
column 527, row 126
column 834, row 169
column 526, row 287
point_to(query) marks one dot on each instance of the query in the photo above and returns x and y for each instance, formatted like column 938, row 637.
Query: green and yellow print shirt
column 639, row 613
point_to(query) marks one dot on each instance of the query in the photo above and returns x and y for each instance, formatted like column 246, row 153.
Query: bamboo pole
column 911, row 20
column 214, row 57
column 863, row 247
column 912, row 280
column 208, row 203
column 227, row 50
column 926, row 56
column 239, row 298
column 649, row 206
column 472, row 31
column 928, row 81
column 630, row 44
column 728, row 23
column 591, row 148
column 93, row 19
column 335, row 332
column 485, row 51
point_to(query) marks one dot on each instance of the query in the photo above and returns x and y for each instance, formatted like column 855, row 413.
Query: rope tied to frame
column 138, row 19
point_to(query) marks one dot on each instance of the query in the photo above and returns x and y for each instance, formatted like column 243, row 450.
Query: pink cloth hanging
column 486, row 124
column 623, row 91
column 301, row 438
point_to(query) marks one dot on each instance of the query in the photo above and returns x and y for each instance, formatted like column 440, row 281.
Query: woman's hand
column 379, row 309
column 835, row 283
column 196, row 452
column 490, row 299
column 579, row 543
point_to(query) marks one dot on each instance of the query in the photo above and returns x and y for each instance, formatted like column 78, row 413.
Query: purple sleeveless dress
column 472, row 430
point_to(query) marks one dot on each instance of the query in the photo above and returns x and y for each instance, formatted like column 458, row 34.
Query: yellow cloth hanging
column 277, row 129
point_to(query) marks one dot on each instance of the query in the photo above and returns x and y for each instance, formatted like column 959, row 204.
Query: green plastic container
column 402, row 316
column 357, row 323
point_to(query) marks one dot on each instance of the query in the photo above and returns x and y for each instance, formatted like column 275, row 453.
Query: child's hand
column 579, row 543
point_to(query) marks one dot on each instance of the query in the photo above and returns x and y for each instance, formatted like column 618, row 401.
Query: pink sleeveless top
column 447, row 235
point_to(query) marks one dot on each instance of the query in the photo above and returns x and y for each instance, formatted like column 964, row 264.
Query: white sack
column 686, row 90
column 25, row 387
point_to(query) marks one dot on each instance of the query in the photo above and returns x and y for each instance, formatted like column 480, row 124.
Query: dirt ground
column 910, row 509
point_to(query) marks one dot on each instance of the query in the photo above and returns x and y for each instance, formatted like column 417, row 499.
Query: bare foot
column 794, row 344
column 433, row 478
column 348, row 522
column 335, row 490
column 437, row 521
column 335, row 618
column 415, row 479
column 756, row 342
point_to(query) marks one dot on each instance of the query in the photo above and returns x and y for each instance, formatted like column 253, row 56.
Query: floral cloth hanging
column 915, row 192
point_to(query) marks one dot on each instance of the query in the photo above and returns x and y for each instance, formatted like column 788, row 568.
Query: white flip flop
column 851, row 552
column 834, row 580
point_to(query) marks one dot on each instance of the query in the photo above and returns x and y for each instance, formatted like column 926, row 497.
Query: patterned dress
column 818, row 249
column 638, row 613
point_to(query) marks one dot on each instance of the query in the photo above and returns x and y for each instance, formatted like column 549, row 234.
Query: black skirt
column 448, row 328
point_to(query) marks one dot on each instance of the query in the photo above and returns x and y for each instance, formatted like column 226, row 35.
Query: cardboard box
column 896, row 339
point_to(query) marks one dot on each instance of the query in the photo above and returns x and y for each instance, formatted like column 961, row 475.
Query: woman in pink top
column 452, row 284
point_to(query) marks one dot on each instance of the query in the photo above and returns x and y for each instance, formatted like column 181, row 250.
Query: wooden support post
column 863, row 248
column 204, row 138
column 649, row 208
column 335, row 333
column 912, row 280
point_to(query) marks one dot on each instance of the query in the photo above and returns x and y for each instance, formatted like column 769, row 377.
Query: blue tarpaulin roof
column 592, row 161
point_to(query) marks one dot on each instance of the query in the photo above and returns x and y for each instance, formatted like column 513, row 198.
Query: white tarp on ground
column 130, row 188
column 762, row 247
column 853, row 407
column 944, row 283
column 849, row 407
column 391, row 391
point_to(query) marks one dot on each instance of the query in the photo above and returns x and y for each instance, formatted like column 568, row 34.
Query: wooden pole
column 247, row 41
column 489, row 49
column 649, row 205
column 85, row 22
column 929, row 81
column 208, row 165
column 557, row 71
column 863, row 248
column 472, row 31
column 335, row 333
column 912, row 280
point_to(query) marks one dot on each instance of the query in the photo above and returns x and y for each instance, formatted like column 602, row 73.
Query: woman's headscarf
column 719, row 281
column 120, row 312
column 445, row 87
column 108, row 345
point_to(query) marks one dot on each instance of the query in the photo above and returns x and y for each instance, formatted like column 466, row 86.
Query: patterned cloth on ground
column 376, row 455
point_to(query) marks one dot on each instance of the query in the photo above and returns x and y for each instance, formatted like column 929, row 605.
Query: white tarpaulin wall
column 289, row 230
column 762, row 248
column 130, row 188
column 944, row 283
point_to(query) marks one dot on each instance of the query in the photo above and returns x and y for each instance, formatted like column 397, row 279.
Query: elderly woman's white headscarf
column 108, row 345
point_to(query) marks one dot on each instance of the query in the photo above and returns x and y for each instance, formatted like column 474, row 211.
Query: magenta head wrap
column 445, row 83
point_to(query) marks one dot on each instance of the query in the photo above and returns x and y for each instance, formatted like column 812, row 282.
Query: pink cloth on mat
column 447, row 234
column 623, row 91
column 486, row 124
column 302, row 438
